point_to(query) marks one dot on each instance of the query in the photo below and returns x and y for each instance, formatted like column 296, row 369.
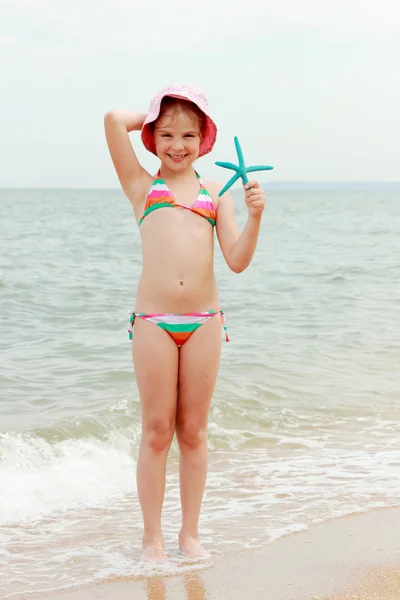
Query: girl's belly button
column 181, row 282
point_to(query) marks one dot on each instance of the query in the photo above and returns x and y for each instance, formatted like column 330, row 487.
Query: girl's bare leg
column 155, row 358
column 198, row 369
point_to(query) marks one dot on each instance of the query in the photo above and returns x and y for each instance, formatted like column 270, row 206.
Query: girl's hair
column 180, row 105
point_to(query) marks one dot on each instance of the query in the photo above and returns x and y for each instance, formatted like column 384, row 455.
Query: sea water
column 305, row 419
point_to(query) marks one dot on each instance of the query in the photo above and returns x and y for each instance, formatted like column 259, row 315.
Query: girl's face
column 177, row 137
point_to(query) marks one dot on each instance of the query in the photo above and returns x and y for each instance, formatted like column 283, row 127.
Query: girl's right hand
column 254, row 198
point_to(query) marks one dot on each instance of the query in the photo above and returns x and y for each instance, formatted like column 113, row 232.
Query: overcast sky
column 311, row 87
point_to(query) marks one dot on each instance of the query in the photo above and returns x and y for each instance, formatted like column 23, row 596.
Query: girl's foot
column 191, row 547
column 153, row 550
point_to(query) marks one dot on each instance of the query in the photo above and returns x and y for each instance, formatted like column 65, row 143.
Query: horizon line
column 294, row 182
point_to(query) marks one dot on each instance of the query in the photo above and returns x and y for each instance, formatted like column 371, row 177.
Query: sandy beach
column 354, row 557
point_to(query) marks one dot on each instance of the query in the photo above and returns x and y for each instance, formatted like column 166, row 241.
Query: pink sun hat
column 185, row 92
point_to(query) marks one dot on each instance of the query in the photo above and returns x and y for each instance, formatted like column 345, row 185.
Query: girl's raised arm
column 132, row 176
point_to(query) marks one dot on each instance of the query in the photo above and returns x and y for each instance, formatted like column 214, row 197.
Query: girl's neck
column 167, row 173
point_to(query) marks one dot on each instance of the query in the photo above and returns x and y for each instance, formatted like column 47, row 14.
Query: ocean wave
column 40, row 478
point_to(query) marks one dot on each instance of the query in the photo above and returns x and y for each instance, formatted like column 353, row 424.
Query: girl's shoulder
column 214, row 188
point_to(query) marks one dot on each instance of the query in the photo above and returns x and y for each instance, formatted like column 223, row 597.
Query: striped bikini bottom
column 179, row 326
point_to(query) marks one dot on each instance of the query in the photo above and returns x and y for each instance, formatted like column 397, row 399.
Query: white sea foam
column 39, row 479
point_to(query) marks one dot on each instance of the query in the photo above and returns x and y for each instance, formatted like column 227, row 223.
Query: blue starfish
column 241, row 169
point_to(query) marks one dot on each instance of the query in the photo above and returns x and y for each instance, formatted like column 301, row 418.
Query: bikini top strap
column 202, row 184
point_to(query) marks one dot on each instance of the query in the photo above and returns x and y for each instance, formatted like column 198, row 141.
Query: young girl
column 177, row 318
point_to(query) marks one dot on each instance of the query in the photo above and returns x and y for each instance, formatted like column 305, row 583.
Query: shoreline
column 347, row 557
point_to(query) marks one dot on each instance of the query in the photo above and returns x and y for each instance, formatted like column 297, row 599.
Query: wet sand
column 355, row 557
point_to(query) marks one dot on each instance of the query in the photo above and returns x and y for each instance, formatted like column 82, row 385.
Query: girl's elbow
column 236, row 268
column 109, row 117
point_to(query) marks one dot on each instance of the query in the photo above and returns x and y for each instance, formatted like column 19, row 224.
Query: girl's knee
column 158, row 434
column 191, row 435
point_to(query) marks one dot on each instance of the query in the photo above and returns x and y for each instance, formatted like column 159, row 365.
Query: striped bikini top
column 160, row 196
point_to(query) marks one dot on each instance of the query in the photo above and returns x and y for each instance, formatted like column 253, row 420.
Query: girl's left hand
column 254, row 198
